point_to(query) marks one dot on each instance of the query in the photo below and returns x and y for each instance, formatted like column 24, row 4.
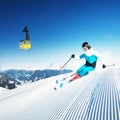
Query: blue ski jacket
column 91, row 58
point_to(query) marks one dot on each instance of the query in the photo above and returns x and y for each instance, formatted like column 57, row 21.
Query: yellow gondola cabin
column 25, row 44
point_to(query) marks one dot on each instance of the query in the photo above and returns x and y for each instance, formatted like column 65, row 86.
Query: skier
column 91, row 57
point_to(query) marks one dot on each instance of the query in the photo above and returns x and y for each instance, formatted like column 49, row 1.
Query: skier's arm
column 80, row 57
column 83, row 56
column 100, row 59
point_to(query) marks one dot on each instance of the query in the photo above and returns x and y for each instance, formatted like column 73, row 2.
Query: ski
column 64, row 81
column 61, row 83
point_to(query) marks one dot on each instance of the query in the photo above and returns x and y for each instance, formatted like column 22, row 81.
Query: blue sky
column 57, row 29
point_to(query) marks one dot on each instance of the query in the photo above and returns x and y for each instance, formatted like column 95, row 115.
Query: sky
column 57, row 28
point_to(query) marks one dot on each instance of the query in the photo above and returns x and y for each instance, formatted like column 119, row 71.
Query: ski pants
column 82, row 71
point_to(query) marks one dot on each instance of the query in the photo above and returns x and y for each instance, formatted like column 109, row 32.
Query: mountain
column 8, row 82
column 93, row 97
column 11, row 78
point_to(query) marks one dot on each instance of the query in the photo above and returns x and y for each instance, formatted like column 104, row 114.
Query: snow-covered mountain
column 93, row 97
column 8, row 82
column 12, row 77
column 33, row 75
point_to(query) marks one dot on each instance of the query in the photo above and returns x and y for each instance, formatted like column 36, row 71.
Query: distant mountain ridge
column 12, row 77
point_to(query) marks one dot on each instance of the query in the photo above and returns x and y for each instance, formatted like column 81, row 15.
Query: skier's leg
column 84, row 70
column 76, row 76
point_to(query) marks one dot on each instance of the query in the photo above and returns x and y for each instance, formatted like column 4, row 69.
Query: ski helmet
column 85, row 44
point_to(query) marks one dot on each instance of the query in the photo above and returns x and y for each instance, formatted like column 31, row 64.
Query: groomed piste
column 93, row 97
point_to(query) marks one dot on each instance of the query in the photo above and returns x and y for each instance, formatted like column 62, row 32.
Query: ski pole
column 72, row 56
column 110, row 65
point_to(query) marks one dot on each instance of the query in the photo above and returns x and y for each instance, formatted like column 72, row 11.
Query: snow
column 93, row 97
column 2, row 90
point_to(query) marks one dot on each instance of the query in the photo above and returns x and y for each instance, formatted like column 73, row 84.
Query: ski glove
column 72, row 56
column 103, row 66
